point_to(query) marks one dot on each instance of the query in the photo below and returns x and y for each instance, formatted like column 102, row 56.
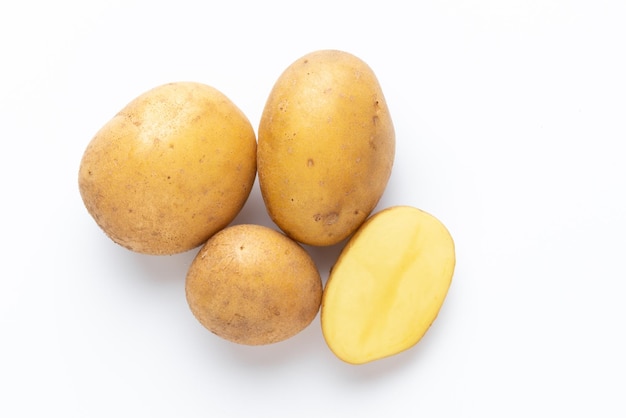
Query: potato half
column 326, row 147
column 252, row 285
column 170, row 169
column 388, row 285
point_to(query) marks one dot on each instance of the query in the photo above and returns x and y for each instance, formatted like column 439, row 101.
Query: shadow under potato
column 255, row 212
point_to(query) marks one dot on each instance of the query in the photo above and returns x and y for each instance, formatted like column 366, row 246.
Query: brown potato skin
column 170, row 169
column 326, row 145
column 252, row 285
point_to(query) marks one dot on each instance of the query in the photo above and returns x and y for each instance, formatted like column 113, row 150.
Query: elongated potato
column 173, row 167
column 326, row 147
column 388, row 285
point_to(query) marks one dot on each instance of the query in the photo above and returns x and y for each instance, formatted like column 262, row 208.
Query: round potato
column 252, row 285
column 326, row 147
column 170, row 169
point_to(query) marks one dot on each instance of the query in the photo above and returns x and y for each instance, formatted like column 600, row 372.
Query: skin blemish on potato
column 331, row 218
column 132, row 118
column 327, row 219
column 310, row 162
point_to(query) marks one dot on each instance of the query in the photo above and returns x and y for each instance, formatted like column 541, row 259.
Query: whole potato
column 252, row 285
column 326, row 147
column 170, row 169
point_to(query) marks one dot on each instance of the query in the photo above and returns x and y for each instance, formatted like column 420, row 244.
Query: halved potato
column 388, row 285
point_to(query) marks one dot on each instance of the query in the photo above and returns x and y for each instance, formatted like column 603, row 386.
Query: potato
column 252, row 285
column 326, row 147
column 388, row 285
column 170, row 169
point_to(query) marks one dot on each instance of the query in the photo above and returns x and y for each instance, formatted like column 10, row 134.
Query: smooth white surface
column 510, row 119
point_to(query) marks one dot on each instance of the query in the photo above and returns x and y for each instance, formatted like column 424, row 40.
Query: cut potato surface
column 388, row 285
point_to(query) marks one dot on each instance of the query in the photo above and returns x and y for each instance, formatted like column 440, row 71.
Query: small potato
column 388, row 285
column 326, row 147
column 252, row 285
column 170, row 169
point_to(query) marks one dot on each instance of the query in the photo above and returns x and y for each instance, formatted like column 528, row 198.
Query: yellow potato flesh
column 388, row 285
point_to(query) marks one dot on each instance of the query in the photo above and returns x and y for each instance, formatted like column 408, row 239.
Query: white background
column 510, row 119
